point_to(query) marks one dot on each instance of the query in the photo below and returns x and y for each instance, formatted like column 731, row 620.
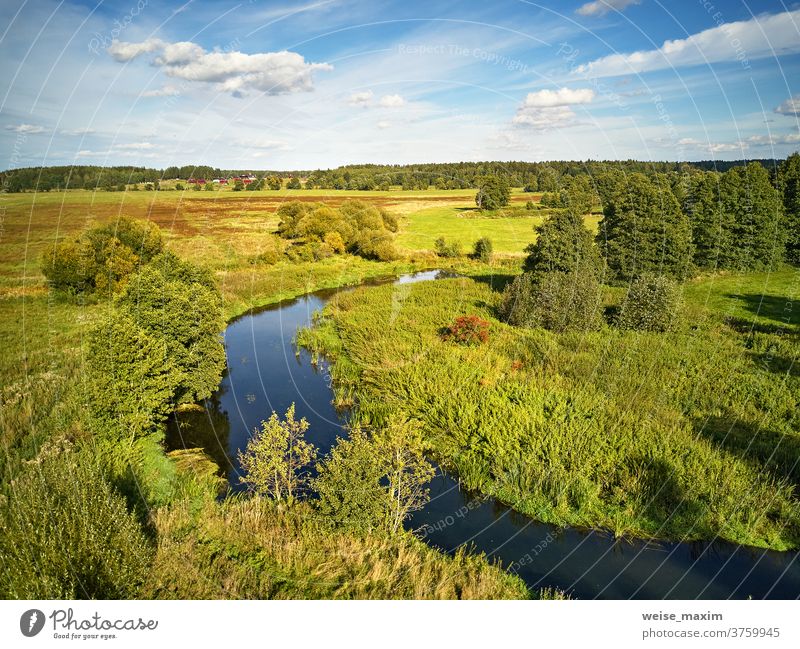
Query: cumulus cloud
column 758, row 37
column 602, row 7
column 383, row 124
column 551, row 108
column 26, row 129
column 391, row 101
column 78, row 131
column 124, row 52
column 164, row 91
column 136, row 146
column 771, row 140
column 365, row 100
column 273, row 73
column 790, row 107
column 362, row 99
column 774, row 139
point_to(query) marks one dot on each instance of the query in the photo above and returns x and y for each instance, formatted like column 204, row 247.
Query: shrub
column 530, row 205
column 67, row 534
column 103, row 257
column 467, row 330
column 335, row 242
column 653, row 303
column 482, row 250
column 556, row 301
column 447, row 250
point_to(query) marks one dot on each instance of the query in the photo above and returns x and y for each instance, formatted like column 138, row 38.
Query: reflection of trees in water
column 205, row 426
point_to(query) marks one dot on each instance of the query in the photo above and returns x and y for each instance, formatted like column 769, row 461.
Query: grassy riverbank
column 686, row 435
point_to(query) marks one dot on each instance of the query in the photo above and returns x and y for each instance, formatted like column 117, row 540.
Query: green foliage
column 65, row 533
column 482, row 250
column 103, row 257
column 711, row 225
column 652, row 303
column 493, row 193
column 554, row 300
column 757, row 232
column 277, row 458
column 644, row 230
column 293, row 183
column 563, row 244
column 375, row 482
column 447, row 250
column 789, row 177
column 176, row 304
column 131, row 379
column 363, row 229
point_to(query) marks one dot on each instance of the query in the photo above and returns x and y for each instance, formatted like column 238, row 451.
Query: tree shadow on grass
column 773, row 451
column 497, row 282
column 778, row 308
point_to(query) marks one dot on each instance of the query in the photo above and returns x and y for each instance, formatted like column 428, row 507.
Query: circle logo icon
column 31, row 622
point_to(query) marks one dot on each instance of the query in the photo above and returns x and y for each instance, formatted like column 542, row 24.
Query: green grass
column 464, row 224
column 249, row 549
column 693, row 434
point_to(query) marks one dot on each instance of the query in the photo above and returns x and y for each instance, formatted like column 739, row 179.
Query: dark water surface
column 266, row 372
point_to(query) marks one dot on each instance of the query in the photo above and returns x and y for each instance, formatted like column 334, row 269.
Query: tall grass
column 250, row 548
column 677, row 435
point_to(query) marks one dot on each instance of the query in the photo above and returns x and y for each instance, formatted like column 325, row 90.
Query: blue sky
column 299, row 85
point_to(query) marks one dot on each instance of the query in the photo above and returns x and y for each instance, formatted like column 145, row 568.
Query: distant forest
column 534, row 176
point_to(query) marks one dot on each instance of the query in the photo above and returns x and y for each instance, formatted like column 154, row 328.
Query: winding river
column 267, row 372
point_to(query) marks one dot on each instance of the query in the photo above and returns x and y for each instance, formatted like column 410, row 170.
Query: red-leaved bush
column 467, row 330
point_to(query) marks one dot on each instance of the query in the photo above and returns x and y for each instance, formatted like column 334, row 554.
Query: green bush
column 447, row 250
column 556, row 301
column 653, row 303
column 102, row 258
column 67, row 534
column 482, row 250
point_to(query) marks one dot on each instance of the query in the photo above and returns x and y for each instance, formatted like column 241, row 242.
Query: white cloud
column 362, row 99
column 748, row 39
column 602, row 7
column 383, row 124
column 786, row 139
column 136, row 146
column 391, row 101
column 164, row 91
column 773, row 140
column 26, row 129
column 78, row 131
column 551, row 108
column 273, row 73
column 711, row 147
column 790, row 107
column 124, row 52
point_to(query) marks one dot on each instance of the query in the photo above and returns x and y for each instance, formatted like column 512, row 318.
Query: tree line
column 533, row 176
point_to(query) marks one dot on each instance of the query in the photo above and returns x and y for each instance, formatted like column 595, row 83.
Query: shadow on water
column 267, row 373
